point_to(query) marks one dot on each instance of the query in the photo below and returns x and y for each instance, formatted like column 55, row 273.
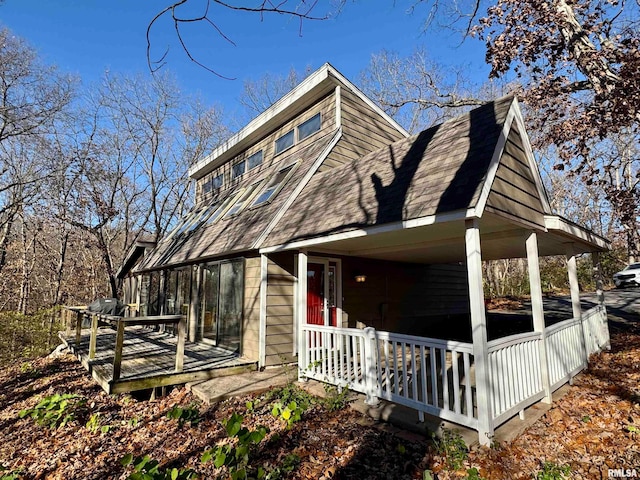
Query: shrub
column 56, row 410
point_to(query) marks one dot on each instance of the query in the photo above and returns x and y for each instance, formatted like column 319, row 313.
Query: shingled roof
column 442, row 169
column 240, row 232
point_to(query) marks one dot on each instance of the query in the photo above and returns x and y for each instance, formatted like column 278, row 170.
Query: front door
column 322, row 292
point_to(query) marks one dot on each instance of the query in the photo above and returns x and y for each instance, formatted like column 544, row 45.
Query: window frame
column 308, row 120
column 244, row 198
column 292, row 168
column 235, row 172
column 248, row 160
column 291, row 132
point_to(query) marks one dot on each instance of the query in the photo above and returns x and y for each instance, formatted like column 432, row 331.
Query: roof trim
column 135, row 252
column 373, row 230
column 296, row 192
column 306, row 86
column 513, row 115
column 567, row 228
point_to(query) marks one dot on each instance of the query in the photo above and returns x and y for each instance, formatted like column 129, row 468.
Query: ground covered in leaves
column 593, row 428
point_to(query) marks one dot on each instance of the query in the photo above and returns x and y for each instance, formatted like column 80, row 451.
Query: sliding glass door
column 222, row 288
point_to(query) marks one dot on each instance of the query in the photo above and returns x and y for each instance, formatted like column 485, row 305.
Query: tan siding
column 326, row 107
column 514, row 190
column 280, row 287
column 364, row 131
column 251, row 317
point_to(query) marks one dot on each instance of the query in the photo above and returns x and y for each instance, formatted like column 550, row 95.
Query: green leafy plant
column 452, row 447
column 189, row 414
column 474, row 474
column 335, row 398
column 144, row 468
column 236, row 457
column 56, row 410
column 289, row 464
column 290, row 413
column 6, row 474
column 94, row 425
column 552, row 471
column 291, row 393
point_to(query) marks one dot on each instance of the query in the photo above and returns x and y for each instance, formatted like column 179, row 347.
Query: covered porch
column 446, row 365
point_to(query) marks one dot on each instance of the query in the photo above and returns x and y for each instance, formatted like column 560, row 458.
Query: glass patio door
column 207, row 326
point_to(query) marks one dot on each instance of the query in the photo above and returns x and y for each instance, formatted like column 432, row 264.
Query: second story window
column 238, row 169
column 284, row 142
column 309, row 127
column 212, row 184
column 254, row 160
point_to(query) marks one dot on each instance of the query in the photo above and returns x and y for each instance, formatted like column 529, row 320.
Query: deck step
column 224, row 387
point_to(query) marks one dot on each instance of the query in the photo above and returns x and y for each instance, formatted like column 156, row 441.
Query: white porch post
column 301, row 311
column 479, row 331
column 262, row 332
column 537, row 310
column 194, row 303
column 574, row 287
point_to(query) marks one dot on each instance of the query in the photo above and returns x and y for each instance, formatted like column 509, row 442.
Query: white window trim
column 253, row 189
column 298, row 139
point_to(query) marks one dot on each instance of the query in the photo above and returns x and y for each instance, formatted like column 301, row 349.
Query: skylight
column 243, row 199
column 274, row 185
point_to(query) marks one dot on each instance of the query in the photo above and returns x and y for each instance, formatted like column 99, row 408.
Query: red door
column 315, row 293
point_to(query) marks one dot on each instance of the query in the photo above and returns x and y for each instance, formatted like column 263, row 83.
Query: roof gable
column 441, row 170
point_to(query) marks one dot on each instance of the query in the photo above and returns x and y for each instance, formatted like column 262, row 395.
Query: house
column 324, row 234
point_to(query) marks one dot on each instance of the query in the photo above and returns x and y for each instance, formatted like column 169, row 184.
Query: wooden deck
column 148, row 359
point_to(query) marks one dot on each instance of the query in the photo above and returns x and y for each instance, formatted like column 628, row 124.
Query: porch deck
column 148, row 359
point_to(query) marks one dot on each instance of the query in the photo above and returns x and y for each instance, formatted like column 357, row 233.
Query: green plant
column 474, row 474
column 6, row 474
column 552, row 471
column 144, row 468
column 56, row 410
column 335, row 398
column 189, row 414
column 452, row 447
column 290, row 413
column 236, row 457
column 290, row 393
column 94, row 425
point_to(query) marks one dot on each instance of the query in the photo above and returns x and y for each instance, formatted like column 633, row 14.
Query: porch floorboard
column 148, row 359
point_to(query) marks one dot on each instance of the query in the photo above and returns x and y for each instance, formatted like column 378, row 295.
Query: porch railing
column 515, row 378
column 78, row 315
column 438, row 376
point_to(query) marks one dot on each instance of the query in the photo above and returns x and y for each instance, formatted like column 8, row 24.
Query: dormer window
column 284, row 142
column 309, row 127
column 275, row 184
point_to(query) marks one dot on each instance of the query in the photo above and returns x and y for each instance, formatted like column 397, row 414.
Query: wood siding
column 280, row 298
column 514, row 190
column 325, row 106
column 364, row 131
column 251, row 317
column 406, row 298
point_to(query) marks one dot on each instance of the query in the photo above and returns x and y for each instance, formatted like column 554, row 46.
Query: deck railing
column 438, row 376
column 78, row 314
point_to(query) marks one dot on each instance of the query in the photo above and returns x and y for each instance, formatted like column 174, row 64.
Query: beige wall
column 251, row 317
column 280, row 298
column 326, row 107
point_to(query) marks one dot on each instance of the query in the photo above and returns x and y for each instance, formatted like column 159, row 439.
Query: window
column 238, row 169
column 254, row 160
column 309, row 127
column 213, row 184
column 284, row 142
column 243, row 198
column 274, row 185
column 218, row 211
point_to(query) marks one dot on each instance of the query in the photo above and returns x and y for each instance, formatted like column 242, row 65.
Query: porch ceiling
column 445, row 242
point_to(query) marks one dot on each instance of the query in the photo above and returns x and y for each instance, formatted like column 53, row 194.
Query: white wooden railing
column 438, row 376
column 432, row 376
column 565, row 351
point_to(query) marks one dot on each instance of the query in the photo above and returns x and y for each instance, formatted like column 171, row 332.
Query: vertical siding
column 251, row 317
column 325, row 106
column 364, row 131
column 280, row 286
column 514, row 189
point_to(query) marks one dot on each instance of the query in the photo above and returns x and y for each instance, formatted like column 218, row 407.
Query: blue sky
column 86, row 37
